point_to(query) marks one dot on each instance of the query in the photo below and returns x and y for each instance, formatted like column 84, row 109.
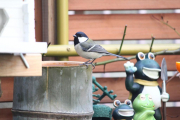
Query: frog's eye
column 127, row 102
column 116, row 103
column 141, row 56
column 150, row 97
column 142, row 97
column 151, row 56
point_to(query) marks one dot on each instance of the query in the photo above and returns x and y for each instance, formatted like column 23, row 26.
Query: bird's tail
column 117, row 56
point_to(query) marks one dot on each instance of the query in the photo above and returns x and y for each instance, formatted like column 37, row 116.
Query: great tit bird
column 87, row 48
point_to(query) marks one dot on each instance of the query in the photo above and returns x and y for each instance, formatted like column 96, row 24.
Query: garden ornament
column 87, row 48
column 144, row 107
column 164, row 78
column 146, row 72
column 123, row 111
column 101, row 112
column 103, row 89
column 178, row 66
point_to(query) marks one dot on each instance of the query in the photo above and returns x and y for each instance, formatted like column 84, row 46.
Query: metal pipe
column 127, row 49
column 62, row 24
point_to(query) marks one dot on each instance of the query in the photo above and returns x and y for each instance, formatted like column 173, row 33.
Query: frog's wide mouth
column 150, row 107
column 151, row 72
column 126, row 112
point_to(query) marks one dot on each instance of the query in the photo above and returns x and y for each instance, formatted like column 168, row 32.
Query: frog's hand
column 130, row 70
column 129, row 67
column 145, row 115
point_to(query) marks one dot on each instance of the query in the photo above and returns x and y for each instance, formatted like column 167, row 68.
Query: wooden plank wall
column 110, row 27
column 122, row 4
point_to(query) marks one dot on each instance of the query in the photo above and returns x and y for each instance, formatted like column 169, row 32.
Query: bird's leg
column 86, row 63
column 92, row 63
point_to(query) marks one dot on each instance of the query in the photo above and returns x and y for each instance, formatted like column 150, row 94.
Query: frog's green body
column 143, row 107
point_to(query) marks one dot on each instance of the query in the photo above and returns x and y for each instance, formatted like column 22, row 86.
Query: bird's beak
column 74, row 36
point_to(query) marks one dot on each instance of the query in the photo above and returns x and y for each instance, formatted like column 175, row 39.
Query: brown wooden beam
column 6, row 114
column 13, row 65
column 7, row 85
column 123, row 4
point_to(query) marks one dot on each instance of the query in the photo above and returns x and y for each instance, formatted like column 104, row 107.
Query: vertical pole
column 62, row 24
column 0, row 89
column 38, row 20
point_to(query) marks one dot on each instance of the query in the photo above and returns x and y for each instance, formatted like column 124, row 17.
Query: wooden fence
column 110, row 27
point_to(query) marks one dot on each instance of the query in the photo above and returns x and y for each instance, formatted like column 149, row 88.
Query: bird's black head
column 80, row 37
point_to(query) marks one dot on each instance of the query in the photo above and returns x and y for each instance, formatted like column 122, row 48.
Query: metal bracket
column 24, row 60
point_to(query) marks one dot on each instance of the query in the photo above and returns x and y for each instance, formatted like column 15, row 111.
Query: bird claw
column 86, row 63
column 93, row 66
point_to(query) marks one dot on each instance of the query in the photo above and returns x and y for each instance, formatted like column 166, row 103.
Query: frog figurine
column 123, row 111
column 146, row 72
column 143, row 107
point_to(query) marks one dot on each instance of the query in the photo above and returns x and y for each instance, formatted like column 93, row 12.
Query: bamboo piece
column 128, row 49
column 64, row 91
column 62, row 24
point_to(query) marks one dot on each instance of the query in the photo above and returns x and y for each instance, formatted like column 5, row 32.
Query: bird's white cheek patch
column 82, row 39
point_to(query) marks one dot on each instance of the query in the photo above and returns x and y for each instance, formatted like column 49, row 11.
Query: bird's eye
column 142, row 97
column 127, row 102
column 116, row 103
column 150, row 97
column 141, row 56
column 151, row 56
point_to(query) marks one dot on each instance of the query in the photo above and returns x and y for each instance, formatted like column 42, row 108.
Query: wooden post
column 48, row 21
column 64, row 91
column 38, row 20
column 49, row 24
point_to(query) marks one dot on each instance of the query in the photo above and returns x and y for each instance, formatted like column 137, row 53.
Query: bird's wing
column 87, row 44
column 98, row 49
column 90, row 46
